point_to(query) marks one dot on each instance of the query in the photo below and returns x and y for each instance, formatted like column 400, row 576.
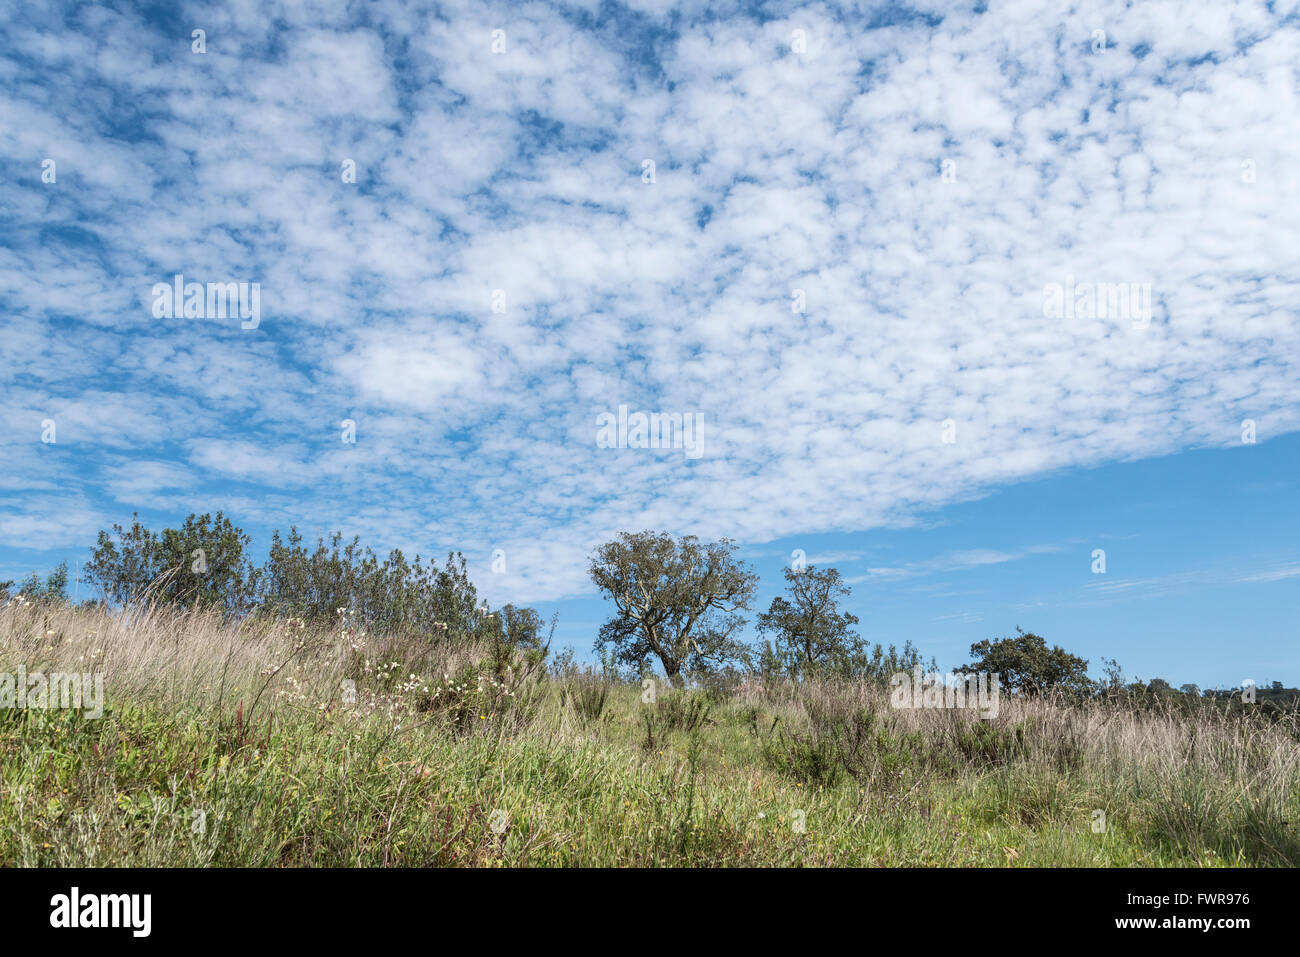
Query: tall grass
column 260, row 743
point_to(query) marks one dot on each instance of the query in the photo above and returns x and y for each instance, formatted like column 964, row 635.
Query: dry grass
column 250, row 721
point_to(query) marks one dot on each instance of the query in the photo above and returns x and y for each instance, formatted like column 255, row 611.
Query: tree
column 812, row 636
column 519, row 627
column 677, row 600
column 1112, row 683
column 203, row 564
column 53, row 591
column 881, row 665
column 200, row 564
column 397, row 595
column 1025, row 664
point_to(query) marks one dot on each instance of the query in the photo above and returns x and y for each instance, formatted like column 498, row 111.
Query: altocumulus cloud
column 838, row 258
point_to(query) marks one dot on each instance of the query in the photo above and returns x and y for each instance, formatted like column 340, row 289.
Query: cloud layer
column 840, row 260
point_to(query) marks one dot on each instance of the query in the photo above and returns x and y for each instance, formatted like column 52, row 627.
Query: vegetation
column 676, row 600
column 813, row 638
column 812, row 635
column 287, row 734
column 202, row 563
column 241, row 743
column 53, row 590
column 1027, row 666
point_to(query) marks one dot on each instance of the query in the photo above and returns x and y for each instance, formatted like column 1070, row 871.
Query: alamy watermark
column 215, row 300
column 58, row 689
column 979, row 691
column 75, row 909
column 651, row 430
column 1098, row 300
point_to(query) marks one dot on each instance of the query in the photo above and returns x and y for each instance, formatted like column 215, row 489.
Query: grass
column 243, row 745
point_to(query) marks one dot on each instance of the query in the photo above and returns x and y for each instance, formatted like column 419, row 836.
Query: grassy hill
column 273, row 744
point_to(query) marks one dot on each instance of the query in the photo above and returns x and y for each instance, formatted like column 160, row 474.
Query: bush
column 981, row 744
column 683, row 711
column 811, row 758
column 203, row 564
column 54, row 590
column 587, row 694
column 844, row 737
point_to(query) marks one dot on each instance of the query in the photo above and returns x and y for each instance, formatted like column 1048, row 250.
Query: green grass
column 562, row 771
column 126, row 790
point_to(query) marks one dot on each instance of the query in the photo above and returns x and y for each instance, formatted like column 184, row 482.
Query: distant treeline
column 677, row 604
column 205, row 564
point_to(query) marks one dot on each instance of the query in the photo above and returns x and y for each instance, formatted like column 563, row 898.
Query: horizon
column 1148, row 578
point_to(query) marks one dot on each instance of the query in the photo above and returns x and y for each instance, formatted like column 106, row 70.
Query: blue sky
column 842, row 263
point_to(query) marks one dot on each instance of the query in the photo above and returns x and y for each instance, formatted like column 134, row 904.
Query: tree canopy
column 811, row 635
column 1026, row 665
column 677, row 600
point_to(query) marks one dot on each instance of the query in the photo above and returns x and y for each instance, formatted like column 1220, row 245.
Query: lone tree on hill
column 676, row 599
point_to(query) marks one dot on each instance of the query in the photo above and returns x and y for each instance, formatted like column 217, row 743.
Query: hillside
column 271, row 743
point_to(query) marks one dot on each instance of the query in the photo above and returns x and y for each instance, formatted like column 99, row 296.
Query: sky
column 856, row 246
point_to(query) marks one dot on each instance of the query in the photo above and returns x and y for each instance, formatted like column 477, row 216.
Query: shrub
column 587, row 694
column 200, row 564
column 683, row 711
column 812, row 758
